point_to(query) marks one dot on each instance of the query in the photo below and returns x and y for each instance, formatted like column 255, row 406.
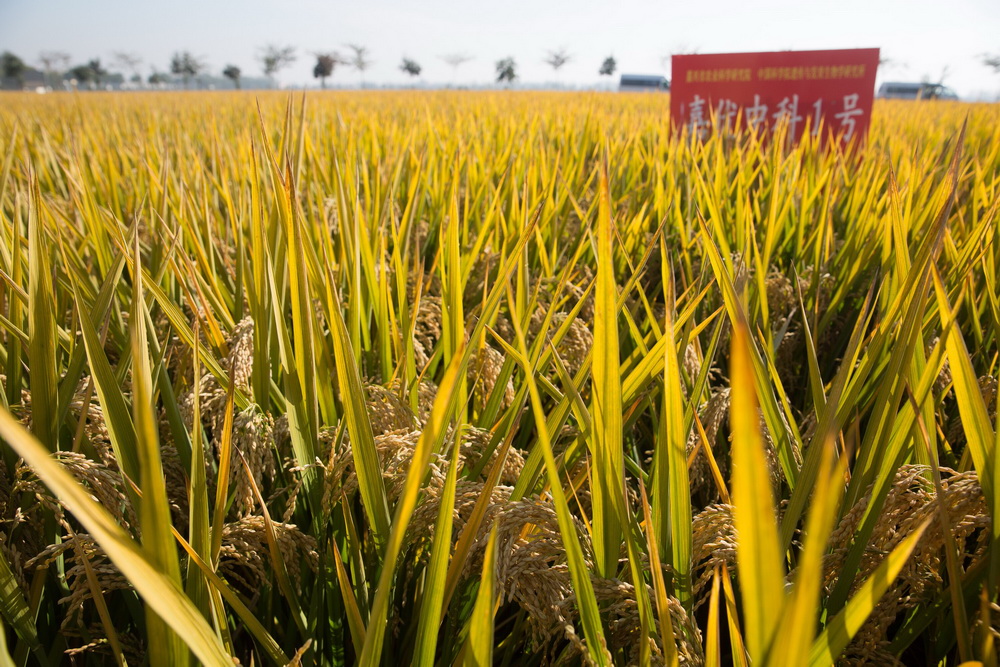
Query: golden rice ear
column 911, row 500
column 942, row 385
column 482, row 374
column 467, row 493
column 481, row 278
column 245, row 553
column 91, row 641
column 577, row 290
column 240, row 358
column 103, row 482
column 474, row 443
column 252, row 438
column 212, row 403
column 503, row 327
column 280, row 435
column 692, row 361
column 96, row 428
column 575, row 345
column 387, row 411
column 426, row 392
column 781, row 298
column 536, row 320
column 80, row 554
column 213, row 398
column 532, row 570
column 176, row 478
column 713, row 415
column 988, row 388
column 618, row 600
column 713, row 545
column 427, row 329
column 395, row 453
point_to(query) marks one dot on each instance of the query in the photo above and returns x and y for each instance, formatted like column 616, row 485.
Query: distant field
column 493, row 378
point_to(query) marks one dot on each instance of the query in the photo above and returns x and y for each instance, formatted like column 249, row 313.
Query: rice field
column 493, row 379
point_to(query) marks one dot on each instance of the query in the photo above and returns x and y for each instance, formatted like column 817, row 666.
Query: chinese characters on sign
column 802, row 90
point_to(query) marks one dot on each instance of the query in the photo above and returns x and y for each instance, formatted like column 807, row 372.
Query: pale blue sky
column 922, row 36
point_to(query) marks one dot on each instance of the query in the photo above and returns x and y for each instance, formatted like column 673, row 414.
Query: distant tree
column 456, row 60
column 928, row 79
column 128, row 62
column 12, row 67
column 232, row 72
column 556, row 59
column 506, row 71
column 411, row 67
column 326, row 62
column 98, row 70
column 360, row 60
column 274, row 58
column 52, row 63
column 82, row 74
column 156, row 78
column 185, row 65
column 608, row 67
column 992, row 61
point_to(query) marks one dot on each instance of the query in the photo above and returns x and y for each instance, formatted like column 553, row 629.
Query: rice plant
column 494, row 378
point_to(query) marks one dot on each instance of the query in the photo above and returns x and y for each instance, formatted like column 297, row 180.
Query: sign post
column 802, row 89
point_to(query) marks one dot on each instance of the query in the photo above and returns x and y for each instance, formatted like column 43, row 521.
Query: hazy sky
column 921, row 37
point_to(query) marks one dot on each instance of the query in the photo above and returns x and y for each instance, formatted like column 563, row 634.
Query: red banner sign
column 804, row 89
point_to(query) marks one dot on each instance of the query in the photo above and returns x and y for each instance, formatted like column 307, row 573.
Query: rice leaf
column 475, row 521
column 277, row 558
column 196, row 586
column 430, row 440
column 102, row 608
column 666, row 623
column 480, row 652
column 608, row 472
column 586, row 601
column 431, row 606
column 41, row 329
column 758, row 554
column 359, row 427
column 975, row 420
column 158, row 589
column 354, row 619
column 117, row 415
column 15, row 609
column 671, row 489
column 220, row 588
column 736, row 642
column 839, row 630
column 5, row 659
column 154, row 514
column 803, row 611
column 15, row 313
column 713, row 645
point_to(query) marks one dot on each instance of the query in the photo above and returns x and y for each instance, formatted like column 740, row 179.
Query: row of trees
column 186, row 66
column 55, row 65
column 273, row 59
